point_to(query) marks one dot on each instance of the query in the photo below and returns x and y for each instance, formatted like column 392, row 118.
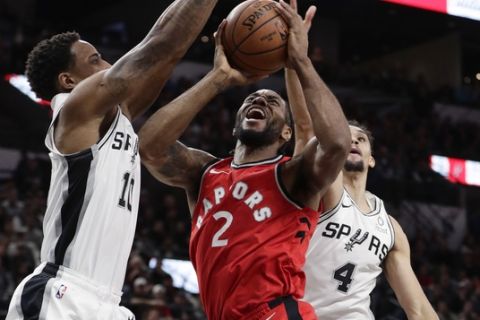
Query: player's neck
column 356, row 184
column 244, row 154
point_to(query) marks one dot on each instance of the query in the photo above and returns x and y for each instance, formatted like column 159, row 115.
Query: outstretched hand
column 233, row 76
column 298, row 35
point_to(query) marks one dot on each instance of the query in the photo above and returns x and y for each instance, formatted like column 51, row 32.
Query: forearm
column 143, row 71
column 328, row 120
column 180, row 24
column 167, row 124
column 424, row 312
column 298, row 106
column 402, row 279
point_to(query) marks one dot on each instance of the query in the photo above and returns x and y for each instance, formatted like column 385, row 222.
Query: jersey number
column 344, row 276
column 216, row 241
column 127, row 184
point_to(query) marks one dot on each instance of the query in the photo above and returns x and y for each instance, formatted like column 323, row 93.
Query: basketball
column 255, row 37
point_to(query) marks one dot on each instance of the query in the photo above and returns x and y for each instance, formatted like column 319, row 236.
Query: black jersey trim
column 376, row 205
column 392, row 231
column 283, row 189
column 205, row 168
column 330, row 213
column 112, row 129
column 78, row 172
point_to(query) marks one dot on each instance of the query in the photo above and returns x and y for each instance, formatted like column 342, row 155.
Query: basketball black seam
column 254, row 67
column 262, row 52
column 235, row 26
column 253, row 32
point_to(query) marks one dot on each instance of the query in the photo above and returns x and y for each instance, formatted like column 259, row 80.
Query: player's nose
column 260, row 100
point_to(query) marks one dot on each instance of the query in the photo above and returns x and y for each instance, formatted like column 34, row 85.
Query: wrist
column 219, row 78
column 301, row 63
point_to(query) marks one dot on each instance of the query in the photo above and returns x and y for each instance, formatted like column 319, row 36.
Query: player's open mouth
column 355, row 151
column 255, row 113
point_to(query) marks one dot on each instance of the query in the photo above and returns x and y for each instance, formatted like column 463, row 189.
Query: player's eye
column 95, row 59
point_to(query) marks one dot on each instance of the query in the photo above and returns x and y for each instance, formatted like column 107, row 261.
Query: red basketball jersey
column 248, row 239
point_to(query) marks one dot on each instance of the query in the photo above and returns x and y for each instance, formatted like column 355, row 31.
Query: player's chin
column 254, row 124
column 354, row 157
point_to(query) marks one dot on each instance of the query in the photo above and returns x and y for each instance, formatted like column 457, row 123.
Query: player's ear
column 371, row 162
column 286, row 133
column 233, row 132
column 66, row 81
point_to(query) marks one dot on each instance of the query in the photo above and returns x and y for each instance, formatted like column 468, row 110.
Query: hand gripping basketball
column 298, row 36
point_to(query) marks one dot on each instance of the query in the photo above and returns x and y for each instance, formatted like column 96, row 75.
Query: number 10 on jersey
column 127, row 192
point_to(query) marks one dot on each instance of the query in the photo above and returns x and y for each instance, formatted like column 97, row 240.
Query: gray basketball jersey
column 344, row 259
column 93, row 203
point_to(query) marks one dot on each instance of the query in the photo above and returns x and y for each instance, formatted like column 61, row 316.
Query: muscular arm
column 136, row 79
column 169, row 161
column 304, row 133
column 309, row 175
column 298, row 106
column 403, row 281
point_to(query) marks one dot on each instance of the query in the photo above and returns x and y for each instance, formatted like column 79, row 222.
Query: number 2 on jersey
column 216, row 241
column 344, row 276
column 127, row 184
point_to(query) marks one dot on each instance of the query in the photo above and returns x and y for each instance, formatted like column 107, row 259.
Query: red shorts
column 283, row 308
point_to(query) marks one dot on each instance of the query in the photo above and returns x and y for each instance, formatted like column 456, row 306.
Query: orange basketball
column 255, row 37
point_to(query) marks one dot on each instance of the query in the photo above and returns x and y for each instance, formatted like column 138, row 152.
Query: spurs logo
column 356, row 240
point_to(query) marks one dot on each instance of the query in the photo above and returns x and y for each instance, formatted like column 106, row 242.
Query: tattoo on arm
column 177, row 161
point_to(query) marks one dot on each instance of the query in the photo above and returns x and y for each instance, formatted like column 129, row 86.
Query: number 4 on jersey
column 344, row 276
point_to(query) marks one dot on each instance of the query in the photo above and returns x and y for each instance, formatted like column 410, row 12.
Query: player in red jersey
column 253, row 214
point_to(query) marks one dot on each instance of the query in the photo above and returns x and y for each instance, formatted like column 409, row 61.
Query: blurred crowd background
column 414, row 109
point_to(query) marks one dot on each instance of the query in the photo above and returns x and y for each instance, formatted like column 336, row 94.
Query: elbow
column 115, row 82
column 420, row 311
column 147, row 153
column 339, row 148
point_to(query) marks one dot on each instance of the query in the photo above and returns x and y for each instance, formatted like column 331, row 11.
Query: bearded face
column 261, row 119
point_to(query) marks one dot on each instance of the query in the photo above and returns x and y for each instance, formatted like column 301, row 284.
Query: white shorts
column 54, row 292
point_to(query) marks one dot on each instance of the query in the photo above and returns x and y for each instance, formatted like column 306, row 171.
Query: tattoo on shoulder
column 176, row 162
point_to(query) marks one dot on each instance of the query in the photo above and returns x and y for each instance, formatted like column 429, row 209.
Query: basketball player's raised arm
column 136, row 79
column 302, row 121
column 304, row 133
column 321, row 161
column 168, row 160
column 403, row 281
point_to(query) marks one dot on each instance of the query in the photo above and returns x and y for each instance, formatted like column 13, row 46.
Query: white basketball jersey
column 344, row 259
column 93, row 203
